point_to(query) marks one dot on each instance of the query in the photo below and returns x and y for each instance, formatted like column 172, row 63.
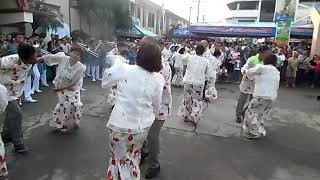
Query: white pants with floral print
column 67, row 112
column 211, row 91
column 191, row 107
column 3, row 165
column 125, row 155
column 254, row 116
column 178, row 77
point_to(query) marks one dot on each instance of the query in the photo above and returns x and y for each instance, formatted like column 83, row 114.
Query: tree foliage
column 45, row 16
column 111, row 13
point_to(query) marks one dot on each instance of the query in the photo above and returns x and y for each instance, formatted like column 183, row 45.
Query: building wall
column 266, row 12
column 64, row 8
column 147, row 9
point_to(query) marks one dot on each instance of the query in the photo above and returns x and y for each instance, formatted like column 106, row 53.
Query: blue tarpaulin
column 261, row 29
column 183, row 33
column 234, row 29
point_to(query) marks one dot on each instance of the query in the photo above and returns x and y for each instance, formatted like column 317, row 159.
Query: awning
column 15, row 17
column 144, row 31
column 265, row 29
column 234, row 29
column 135, row 31
column 302, row 32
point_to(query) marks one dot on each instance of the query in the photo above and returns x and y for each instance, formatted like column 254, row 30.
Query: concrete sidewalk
column 290, row 151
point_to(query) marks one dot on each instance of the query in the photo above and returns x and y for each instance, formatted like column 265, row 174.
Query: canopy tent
column 258, row 30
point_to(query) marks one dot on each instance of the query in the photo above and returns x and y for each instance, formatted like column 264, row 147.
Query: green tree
column 108, row 15
column 45, row 16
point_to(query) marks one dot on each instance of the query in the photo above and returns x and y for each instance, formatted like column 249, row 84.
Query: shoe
column 32, row 92
column 46, row 85
column 20, row 148
column 99, row 79
column 152, row 172
column 239, row 120
column 31, row 101
column 94, row 80
column 143, row 157
column 250, row 135
column 20, row 103
column 38, row 91
column 82, row 89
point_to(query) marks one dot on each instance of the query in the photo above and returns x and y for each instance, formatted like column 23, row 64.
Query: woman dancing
column 67, row 82
column 177, row 79
column 194, row 81
column 139, row 93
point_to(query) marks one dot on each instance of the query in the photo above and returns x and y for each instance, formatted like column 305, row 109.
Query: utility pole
column 190, row 15
column 203, row 17
column 198, row 10
column 199, row 2
column 163, row 18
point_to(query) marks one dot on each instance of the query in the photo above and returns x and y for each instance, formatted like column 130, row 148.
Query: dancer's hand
column 57, row 89
column 40, row 60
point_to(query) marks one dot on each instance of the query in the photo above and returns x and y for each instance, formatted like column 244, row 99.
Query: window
column 138, row 13
column 249, row 5
column 151, row 20
column 232, row 6
column 132, row 9
column 267, row 11
column 247, row 20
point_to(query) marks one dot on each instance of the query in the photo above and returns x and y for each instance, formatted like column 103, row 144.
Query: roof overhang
column 8, row 18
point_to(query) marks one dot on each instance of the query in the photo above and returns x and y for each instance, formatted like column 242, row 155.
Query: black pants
column 12, row 127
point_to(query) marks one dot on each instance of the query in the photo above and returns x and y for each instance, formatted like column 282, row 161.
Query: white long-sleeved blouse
column 214, row 66
column 13, row 73
column 3, row 98
column 139, row 95
column 197, row 70
column 177, row 59
column 266, row 79
column 66, row 75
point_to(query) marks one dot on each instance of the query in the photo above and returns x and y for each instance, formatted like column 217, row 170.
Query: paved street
column 215, row 151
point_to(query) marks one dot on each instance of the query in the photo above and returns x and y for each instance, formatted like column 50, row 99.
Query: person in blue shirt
column 132, row 54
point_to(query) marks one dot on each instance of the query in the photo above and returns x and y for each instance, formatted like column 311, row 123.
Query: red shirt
column 317, row 67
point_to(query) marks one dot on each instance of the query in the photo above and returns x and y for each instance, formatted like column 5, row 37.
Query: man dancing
column 247, row 85
column 13, row 72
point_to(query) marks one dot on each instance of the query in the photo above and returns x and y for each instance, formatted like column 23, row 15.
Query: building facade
column 154, row 17
column 263, row 10
column 14, row 15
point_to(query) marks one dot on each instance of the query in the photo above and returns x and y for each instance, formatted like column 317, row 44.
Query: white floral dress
column 67, row 112
column 3, row 105
column 177, row 79
column 165, row 107
column 210, row 90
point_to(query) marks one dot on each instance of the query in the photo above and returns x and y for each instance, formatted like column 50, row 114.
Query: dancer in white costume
column 177, row 58
column 211, row 91
column 3, row 106
column 112, row 57
column 67, row 112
